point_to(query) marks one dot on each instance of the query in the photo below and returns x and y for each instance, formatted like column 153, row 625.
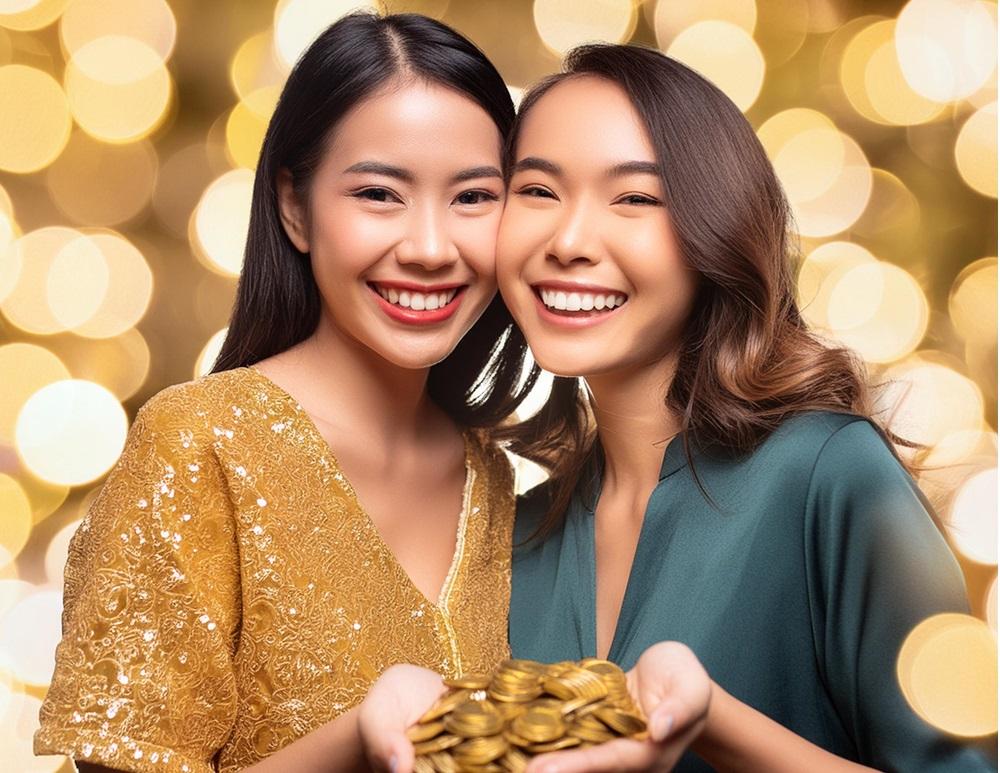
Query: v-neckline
column 379, row 543
column 673, row 460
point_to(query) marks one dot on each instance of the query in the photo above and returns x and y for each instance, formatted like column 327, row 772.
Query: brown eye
column 380, row 195
column 475, row 197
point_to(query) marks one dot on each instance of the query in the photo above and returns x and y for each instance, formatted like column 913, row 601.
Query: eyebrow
column 533, row 163
column 398, row 173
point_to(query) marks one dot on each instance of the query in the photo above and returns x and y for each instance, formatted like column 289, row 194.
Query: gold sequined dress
column 226, row 594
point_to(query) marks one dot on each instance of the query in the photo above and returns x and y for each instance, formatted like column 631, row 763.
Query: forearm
column 331, row 748
column 737, row 737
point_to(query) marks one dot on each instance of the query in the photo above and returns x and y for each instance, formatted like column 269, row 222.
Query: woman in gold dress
column 327, row 503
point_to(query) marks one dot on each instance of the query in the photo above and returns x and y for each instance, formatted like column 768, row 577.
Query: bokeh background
column 129, row 131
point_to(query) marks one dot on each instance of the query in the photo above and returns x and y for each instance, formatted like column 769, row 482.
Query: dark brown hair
column 747, row 360
column 277, row 301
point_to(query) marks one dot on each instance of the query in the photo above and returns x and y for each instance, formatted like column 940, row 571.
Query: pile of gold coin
column 497, row 723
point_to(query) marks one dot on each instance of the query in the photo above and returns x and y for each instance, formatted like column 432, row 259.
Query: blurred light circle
column 671, row 18
column 973, row 522
column 976, row 151
column 179, row 185
column 12, row 592
column 964, row 446
column 820, row 273
column 255, row 66
column 45, row 497
column 781, row 29
column 947, row 48
column 991, row 606
column 565, row 24
column 118, row 88
column 221, row 220
column 836, row 209
column 726, row 55
column 6, row 205
column 893, row 214
column 26, row 15
column 826, row 15
column 810, row 163
column 97, row 184
column 247, row 125
column 972, row 303
column 15, row 519
column 71, row 432
column 77, row 282
column 10, row 257
column 149, row 21
column 297, row 23
column 947, row 669
column 879, row 310
column 26, row 368
column 57, row 552
column 130, row 288
column 121, row 364
column 36, row 252
column 34, row 119
column 890, row 95
column 17, row 726
column 925, row 401
column 29, row 634
column 209, row 353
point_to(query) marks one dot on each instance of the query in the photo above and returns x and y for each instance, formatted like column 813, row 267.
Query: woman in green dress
column 725, row 485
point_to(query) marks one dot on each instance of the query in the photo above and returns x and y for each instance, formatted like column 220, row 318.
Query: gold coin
column 425, row 731
column 474, row 719
column 554, row 746
column 444, row 705
column 480, row 751
column 539, row 725
column 620, row 721
column 438, row 744
column 469, row 682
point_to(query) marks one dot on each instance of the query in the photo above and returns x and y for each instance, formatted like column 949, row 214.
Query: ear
column 292, row 211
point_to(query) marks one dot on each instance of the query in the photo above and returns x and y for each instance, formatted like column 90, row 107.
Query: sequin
column 297, row 628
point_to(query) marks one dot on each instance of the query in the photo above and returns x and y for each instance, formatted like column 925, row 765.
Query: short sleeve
column 877, row 566
column 143, row 678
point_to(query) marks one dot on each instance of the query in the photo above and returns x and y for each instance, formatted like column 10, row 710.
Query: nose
column 427, row 241
column 576, row 237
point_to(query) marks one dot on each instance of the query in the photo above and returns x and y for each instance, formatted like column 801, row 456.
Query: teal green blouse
column 795, row 589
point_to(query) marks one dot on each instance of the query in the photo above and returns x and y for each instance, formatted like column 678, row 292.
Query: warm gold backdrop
column 128, row 134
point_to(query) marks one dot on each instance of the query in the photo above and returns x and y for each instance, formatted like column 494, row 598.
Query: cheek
column 522, row 234
column 476, row 240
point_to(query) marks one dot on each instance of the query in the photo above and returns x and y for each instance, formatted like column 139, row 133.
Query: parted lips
column 497, row 723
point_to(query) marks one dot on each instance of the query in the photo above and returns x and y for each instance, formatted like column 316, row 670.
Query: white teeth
column 417, row 301
column 561, row 301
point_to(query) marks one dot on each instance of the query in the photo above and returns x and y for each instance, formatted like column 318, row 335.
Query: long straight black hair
column 277, row 301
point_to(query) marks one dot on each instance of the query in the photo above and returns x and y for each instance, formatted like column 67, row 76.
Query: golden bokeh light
column 247, row 125
column 972, row 303
column 972, row 524
column 671, row 18
column 181, row 180
column 36, row 253
column 209, row 353
column 947, row 669
column 26, row 368
column 150, row 21
column 129, row 289
column 892, row 219
column 29, row 633
column 220, row 222
column 925, row 400
column 77, row 282
column 24, row 15
column 35, row 119
column 297, row 23
column 839, row 207
column 820, row 273
column 56, row 552
column 10, row 258
column 726, row 55
column 97, row 184
column 45, row 497
column 825, row 16
column 947, row 48
column 991, row 606
column 71, row 432
column 118, row 88
column 565, row 24
column 964, row 446
column 15, row 519
column 976, row 151
column 781, row 29
column 873, row 82
column 19, row 722
column 879, row 310
column 256, row 66
column 121, row 364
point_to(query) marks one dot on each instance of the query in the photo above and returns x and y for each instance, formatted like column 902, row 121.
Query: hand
column 397, row 700
column 673, row 690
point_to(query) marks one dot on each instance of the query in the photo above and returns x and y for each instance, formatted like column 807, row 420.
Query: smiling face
column 401, row 222
column 586, row 257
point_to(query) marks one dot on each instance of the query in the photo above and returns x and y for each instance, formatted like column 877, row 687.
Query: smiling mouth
column 577, row 303
column 414, row 300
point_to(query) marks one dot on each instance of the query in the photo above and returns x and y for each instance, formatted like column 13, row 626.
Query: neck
column 353, row 389
column 634, row 424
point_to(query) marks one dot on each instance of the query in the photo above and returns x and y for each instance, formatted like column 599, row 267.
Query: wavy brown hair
column 747, row 360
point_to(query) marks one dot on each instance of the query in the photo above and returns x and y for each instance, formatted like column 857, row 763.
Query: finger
column 619, row 755
column 399, row 754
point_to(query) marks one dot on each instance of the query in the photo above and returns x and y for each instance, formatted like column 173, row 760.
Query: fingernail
column 394, row 763
column 661, row 727
column 550, row 767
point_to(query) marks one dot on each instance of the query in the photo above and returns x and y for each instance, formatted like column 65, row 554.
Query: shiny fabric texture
column 227, row 594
